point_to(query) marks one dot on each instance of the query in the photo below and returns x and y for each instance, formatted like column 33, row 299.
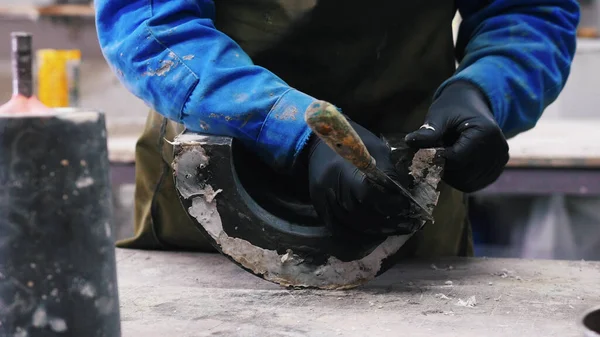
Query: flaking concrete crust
column 288, row 269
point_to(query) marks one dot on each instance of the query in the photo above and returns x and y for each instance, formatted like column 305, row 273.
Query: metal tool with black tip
column 332, row 127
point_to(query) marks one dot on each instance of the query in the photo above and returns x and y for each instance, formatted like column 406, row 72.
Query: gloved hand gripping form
column 461, row 120
column 343, row 196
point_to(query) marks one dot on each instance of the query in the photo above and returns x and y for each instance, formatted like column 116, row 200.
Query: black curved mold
column 265, row 207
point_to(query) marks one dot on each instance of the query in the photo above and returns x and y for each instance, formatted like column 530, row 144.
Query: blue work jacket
column 170, row 54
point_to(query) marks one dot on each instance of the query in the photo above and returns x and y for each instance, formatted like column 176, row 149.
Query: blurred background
column 545, row 205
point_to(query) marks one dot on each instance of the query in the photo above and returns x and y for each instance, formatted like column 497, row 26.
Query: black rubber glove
column 461, row 120
column 343, row 196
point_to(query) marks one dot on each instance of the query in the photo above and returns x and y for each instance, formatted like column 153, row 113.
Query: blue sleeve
column 518, row 52
column 169, row 54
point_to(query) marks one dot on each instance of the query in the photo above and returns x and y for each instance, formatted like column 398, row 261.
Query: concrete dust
column 442, row 297
column 471, row 302
column 432, row 311
column 434, row 267
column 505, row 273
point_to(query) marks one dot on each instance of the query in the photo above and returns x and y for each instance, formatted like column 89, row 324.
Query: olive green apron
column 380, row 61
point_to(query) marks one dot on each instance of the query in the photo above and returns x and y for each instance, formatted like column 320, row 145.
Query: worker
column 248, row 69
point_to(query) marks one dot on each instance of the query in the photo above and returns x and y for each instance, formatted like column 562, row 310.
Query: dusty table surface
column 188, row 294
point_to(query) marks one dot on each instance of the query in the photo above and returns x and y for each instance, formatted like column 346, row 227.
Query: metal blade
column 384, row 180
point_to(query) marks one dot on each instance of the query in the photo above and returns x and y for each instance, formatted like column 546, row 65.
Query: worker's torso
column 379, row 60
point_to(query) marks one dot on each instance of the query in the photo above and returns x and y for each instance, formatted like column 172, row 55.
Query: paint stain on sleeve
column 288, row 114
column 204, row 126
column 241, row 98
column 165, row 67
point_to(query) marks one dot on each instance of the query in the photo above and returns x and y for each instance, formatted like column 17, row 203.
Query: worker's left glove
column 461, row 120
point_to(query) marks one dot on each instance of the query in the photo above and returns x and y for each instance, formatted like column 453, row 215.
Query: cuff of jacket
column 490, row 78
column 284, row 132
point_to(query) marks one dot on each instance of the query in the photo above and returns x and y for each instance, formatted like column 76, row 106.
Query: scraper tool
column 333, row 128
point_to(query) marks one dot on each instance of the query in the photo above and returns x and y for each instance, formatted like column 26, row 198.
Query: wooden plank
column 54, row 10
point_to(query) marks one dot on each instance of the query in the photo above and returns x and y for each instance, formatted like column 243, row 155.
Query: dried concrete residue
column 193, row 150
column 427, row 176
column 505, row 273
column 210, row 193
column 58, row 325
column 164, row 68
column 75, row 115
column 421, row 165
column 19, row 332
column 105, row 305
column 84, row 182
column 288, row 269
column 88, row 290
column 107, row 230
column 84, row 287
column 442, row 296
column 471, row 302
column 41, row 320
column 191, row 146
column 241, row 97
column 335, row 274
column 434, row 267
column 78, row 116
column 288, row 113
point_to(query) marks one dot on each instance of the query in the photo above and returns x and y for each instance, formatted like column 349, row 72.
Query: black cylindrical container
column 57, row 256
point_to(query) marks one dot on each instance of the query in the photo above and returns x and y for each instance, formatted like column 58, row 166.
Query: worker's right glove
column 343, row 196
column 461, row 120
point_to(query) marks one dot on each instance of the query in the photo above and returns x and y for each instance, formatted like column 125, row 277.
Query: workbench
column 545, row 203
column 194, row 294
column 556, row 156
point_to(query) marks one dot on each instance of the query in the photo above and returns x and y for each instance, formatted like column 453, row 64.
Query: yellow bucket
column 58, row 77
